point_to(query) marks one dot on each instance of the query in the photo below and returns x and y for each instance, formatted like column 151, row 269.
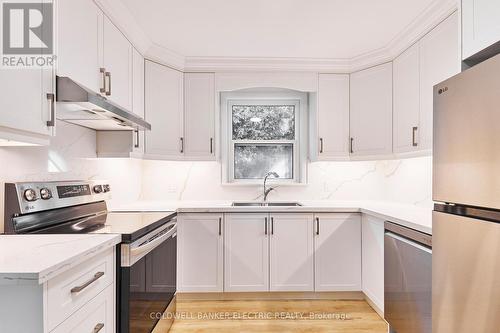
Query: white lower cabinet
column 98, row 315
column 259, row 252
column 337, row 245
column 79, row 300
column 373, row 259
column 200, row 253
column 291, row 252
column 246, row 259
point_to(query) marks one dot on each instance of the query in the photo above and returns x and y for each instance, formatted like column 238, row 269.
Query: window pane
column 255, row 161
column 263, row 122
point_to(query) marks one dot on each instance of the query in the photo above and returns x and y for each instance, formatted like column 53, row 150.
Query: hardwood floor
column 294, row 316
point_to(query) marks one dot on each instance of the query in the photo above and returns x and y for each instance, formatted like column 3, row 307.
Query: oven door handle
column 136, row 253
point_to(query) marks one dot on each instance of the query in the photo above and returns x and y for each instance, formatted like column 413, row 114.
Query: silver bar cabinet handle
column 182, row 145
column 317, row 226
column 272, row 225
column 211, row 145
column 96, row 277
column 321, row 145
column 265, row 225
column 98, row 328
column 414, row 136
column 220, row 226
column 352, row 146
column 136, row 138
column 108, row 75
column 102, row 90
column 52, row 121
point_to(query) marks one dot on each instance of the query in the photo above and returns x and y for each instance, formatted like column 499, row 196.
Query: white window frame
column 265, row 97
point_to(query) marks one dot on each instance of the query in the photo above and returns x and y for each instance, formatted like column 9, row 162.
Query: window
column 263, row 135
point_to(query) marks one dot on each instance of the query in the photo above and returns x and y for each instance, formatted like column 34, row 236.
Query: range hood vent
column 79, row 105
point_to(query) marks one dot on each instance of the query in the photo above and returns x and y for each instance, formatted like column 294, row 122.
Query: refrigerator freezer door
column 467, row 137
column 465, row 275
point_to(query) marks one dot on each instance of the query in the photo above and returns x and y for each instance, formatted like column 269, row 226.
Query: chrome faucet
column 267, row 190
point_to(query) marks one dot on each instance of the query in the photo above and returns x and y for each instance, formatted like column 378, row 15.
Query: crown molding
column 434, row 14
column 164, row 56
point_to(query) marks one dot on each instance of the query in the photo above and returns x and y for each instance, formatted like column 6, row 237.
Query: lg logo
column 27, row 28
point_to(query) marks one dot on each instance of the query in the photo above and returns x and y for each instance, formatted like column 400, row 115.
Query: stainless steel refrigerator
column 466, row 189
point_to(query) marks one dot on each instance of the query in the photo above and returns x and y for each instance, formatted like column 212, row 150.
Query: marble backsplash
column 72, row 156
column 406, row 181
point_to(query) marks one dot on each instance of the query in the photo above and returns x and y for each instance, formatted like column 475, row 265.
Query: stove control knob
column 97, row 189
column 106, row 188
column 30, row 195
column 45, row 194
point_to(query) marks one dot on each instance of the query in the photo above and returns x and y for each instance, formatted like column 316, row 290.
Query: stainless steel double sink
column 266, row 204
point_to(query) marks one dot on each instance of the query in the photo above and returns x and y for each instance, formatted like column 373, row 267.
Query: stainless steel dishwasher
column 408, row 279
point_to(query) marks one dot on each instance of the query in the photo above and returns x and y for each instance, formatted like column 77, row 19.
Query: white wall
column 406, row 181
column 70, row 156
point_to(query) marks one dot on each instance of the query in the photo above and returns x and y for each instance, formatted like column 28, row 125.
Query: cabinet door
column 371, row 111
column 199, row 111
column 373, row 259
column 163, row 96
column 291, row 252
column 337, row 252
column 246, row 259
column 199, row 253
column 138, row 98
column 439, row 60
column 480, row 25
column 117, row 59
column 333, row 116
column 25, row 106
column 406, row 100
column 79, row 23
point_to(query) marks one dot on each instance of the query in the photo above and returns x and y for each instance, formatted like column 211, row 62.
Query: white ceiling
column 329, row 29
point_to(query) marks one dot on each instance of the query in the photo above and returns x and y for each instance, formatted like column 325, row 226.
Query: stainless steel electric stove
column 146, row 274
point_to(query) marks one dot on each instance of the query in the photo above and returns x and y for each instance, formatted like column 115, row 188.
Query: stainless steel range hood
column 81, row 106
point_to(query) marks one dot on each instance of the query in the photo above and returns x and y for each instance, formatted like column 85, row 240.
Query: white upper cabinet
column 371, row 111
column 480, row 25
column 439, row 60
column 291, row 252
column 406, row 100
column 79, row 23
column 332, row 117
column 27, row 109
column 199, row 116
column 27, row 105
column 117, row 60
column 138, row 97
column 200, row 253
column 246, row 257
column 337, row 244
column 164, row 111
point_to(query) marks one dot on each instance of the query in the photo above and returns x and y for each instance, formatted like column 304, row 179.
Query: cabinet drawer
column 69, row 291
column 95, row 316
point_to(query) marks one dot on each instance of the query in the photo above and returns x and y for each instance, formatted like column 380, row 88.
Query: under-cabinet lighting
column 12, row 143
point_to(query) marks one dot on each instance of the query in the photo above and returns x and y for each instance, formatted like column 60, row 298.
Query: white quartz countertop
column 411, row 216
column 35, row 259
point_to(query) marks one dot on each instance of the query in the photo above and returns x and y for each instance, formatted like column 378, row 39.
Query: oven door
column 147, row 280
